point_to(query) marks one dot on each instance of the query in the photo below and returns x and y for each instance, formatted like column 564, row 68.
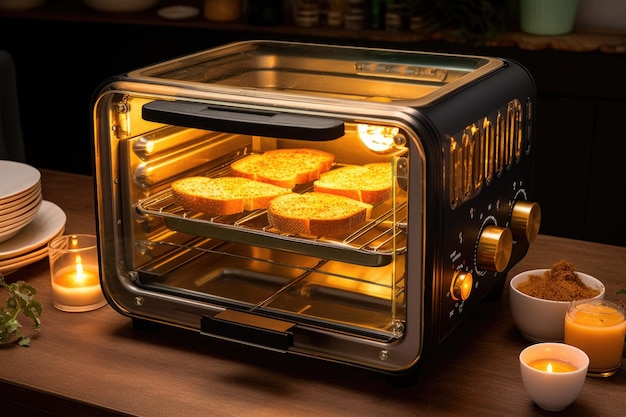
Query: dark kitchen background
column 63, row 50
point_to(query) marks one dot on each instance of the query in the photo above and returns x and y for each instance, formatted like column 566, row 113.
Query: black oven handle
column 250, row 329
column 243, row 121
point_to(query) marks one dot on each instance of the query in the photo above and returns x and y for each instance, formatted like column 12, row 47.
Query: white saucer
column 48, row 222
column 16, row 179
column 178, row 12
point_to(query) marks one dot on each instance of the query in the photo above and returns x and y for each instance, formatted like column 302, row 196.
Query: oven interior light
column 378, row 138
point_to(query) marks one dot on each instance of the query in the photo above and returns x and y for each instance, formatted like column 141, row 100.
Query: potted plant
column 19, row 302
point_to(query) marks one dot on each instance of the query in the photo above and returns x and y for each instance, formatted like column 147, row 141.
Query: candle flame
column 549, row 367
column 80, row 275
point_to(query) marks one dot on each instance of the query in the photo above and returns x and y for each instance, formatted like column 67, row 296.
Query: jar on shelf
column 331, row 13
column 396, row 16
column 306, row 13
column 222, row 10
column 355, row 17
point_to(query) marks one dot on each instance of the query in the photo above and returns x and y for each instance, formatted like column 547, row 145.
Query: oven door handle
column 250, row 329
column 243, row 121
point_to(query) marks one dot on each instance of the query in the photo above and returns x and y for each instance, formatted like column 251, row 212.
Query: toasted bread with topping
column 284, row 167
column 317, row 214
column 370, row 183
column 224, row 195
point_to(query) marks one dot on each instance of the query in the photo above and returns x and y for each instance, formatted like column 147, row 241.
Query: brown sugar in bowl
column 540, row 319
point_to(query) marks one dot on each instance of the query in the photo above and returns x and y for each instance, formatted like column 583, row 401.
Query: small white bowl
column 542, row 320
column 553, row 391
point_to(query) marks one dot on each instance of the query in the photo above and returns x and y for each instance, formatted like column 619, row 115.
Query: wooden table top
column 97, row 363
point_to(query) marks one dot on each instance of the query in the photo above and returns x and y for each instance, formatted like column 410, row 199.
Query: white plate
column 48, row 222
column 12, row 217
column 16, row 198
column 178, row 12
column 19, row 222
column 8, row 232
column 12, row 267
column 28, row 197
column 36, row 254
column 16, row 178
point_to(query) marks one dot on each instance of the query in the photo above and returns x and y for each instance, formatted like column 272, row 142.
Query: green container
column 548, row 17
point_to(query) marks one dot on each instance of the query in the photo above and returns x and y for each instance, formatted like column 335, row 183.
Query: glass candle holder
column 598, row 327
column 74, row 273
column 553, row 374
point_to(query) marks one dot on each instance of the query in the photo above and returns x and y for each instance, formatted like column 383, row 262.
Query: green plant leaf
column 20, row 300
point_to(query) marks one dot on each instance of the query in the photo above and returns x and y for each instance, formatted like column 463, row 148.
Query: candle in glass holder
column 74, row 273
column 598, row 327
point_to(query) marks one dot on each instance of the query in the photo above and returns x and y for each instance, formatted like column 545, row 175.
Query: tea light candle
column 77, row 286
column 553, row 374
column 74, row 273
column 552, row 365
column 598, row 327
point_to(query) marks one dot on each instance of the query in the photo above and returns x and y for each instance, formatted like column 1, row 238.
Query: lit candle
column 552, row 365
column 77, row 286
column 74, row 273
column 598, row 327
column 553, row 374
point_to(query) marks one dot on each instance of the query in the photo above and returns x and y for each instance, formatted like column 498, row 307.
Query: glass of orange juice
column 598, row 327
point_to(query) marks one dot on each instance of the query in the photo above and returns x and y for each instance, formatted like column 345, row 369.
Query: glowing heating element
column 378, row 138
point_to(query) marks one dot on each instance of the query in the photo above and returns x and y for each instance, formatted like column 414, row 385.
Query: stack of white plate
column 27, row 222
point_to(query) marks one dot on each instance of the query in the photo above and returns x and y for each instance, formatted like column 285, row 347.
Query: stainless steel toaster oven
column 455, row 131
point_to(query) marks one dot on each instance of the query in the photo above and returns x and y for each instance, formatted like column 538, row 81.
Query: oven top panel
column 323, row 70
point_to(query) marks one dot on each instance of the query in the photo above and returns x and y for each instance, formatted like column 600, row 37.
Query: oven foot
column 142, row 324
column 406, row 380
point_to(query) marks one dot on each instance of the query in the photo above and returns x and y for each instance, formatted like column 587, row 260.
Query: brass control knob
column 495, row 245
column 461, row 285
column 525, row 221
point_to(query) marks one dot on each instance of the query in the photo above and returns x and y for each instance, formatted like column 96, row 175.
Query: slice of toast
column 317, row 214
column 370, row 183
column 224, row 195
column 284, row 167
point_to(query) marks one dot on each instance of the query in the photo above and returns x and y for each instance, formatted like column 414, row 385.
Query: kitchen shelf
column 579, row 79
column 581, row 40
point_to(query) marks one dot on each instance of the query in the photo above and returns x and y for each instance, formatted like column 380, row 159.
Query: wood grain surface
column 98, row 364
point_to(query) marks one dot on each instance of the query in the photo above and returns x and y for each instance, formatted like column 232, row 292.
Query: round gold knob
column 461, row 285
column 525, row 221
column 495, row 245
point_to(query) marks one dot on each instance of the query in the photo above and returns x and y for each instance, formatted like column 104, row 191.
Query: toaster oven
column 455, row 131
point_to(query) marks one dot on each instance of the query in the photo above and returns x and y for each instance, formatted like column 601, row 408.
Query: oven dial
column 525, row 221
column 461, row 286
column 495, row 246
